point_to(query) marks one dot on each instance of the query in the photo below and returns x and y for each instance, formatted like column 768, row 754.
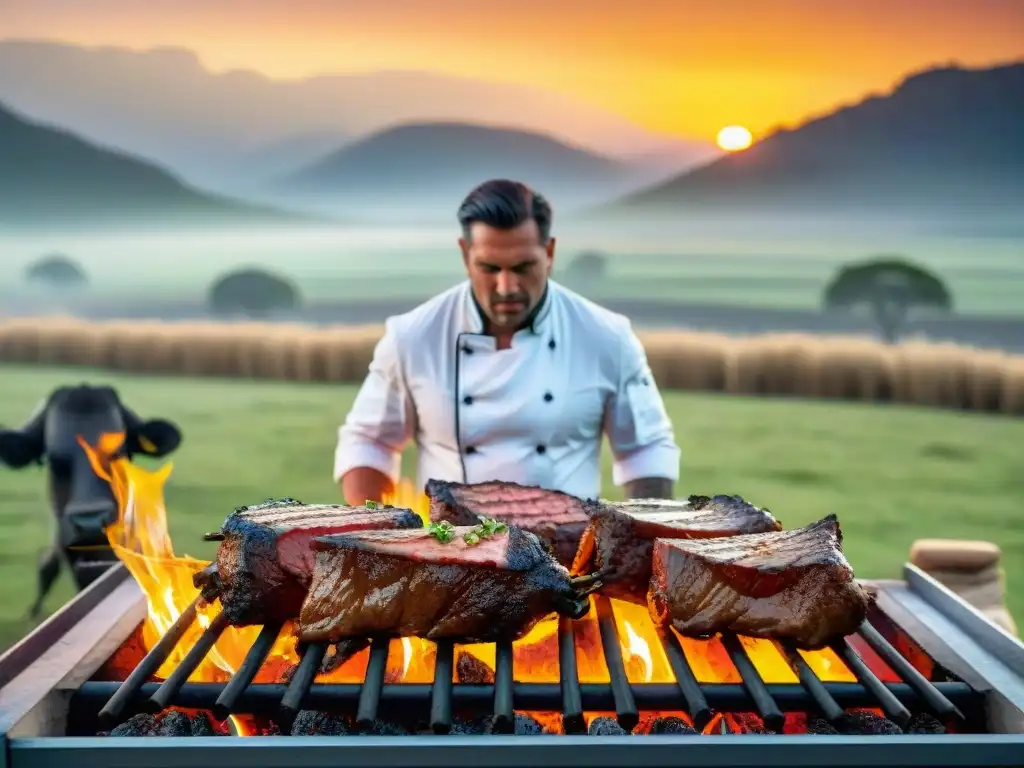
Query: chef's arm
column 368, row 458
column 646, row 457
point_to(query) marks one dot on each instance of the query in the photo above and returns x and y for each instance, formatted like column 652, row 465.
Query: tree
column 890, row 287
column 253, row 292
column 587, row 267
column 56, row 270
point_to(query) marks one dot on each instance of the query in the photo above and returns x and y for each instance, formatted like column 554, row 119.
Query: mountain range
column 145, row 134
column 50, row 177
column 945, row 140
column 231, row 130
column 426, row 169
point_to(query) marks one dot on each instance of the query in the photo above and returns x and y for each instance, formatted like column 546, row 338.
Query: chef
column 508, row 376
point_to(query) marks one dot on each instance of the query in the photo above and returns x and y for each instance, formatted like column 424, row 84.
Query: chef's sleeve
column 381, row 420
column 637, row 424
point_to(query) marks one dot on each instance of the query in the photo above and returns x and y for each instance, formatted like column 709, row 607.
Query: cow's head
column 82, row 502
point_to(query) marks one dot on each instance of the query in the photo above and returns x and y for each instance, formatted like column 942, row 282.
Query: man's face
column 508, row 269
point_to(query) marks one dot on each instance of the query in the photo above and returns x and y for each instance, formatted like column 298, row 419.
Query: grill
column 52, row 706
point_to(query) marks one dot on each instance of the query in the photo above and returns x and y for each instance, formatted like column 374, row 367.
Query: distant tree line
column 889, row 287
column 253, row 293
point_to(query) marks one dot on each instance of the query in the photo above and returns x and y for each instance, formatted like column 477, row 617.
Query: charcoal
column 817, row 726
column 174, row 723
column 867, row 724
column 670, row 726
column 527, row 726
column 524, row 725
column 606, row 726
column 464, row 727
column 469, row 669
column 924, row 723
column 747, row 723
column 201, row 725
column 311, row 723
column 385, row 728
column 138, row 725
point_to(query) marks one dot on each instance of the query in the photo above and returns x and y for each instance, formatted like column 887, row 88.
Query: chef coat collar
column 534, row 323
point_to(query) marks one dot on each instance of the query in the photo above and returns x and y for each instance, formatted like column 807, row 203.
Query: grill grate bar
column 311, row 657
column 770, row 713
column 111, row 712
column 625, row 705
column 161, row 699
column 373, row 682
column 504, row 704
column 938, row 703
column 505, row 694
column 812, row 684
column 405, row 698
column 441, row 690
column 247, row 671
column 890, row 705
column 696, row 703
column 569, row 677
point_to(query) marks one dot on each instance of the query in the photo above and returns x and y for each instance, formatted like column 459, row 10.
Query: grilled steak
column 556, row 518
column 264, row 562
column 411, row 583
column 620, row 536
column 794, row 585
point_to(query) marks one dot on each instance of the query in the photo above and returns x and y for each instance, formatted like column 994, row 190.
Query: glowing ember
column 141, row 540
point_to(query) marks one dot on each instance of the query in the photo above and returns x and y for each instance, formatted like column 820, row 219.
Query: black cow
column 82, row 502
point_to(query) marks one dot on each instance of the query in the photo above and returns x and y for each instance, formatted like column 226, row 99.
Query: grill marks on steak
column 794, row 584
column 408, row 583
column 619, row 538
column 265, row 562
column 556, row 518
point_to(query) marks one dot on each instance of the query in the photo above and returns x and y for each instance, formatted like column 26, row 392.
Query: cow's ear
column 156, row 437
column 18, row 449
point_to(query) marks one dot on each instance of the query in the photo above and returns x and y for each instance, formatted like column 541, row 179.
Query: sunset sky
column 676, row 66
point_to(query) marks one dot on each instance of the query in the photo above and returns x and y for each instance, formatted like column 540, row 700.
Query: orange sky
column 677, row 66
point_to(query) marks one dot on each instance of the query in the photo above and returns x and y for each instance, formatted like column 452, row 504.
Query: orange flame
column 141, row 541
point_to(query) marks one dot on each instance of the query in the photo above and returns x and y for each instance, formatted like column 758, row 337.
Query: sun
column 733, row 138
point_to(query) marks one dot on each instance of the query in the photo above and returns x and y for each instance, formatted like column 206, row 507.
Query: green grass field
column 891, row 474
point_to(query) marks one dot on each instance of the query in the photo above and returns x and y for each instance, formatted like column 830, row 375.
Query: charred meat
column 620, row 536
column 556, row 518
column 794, row 585
column 473, row 584
column 264, row 562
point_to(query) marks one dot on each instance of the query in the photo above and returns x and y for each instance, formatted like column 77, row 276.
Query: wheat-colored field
column 799, row 365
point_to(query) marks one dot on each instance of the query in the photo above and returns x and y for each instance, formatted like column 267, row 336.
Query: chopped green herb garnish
column 490, row 527
column 370, row 504
column 484, row 530
column 443, row 531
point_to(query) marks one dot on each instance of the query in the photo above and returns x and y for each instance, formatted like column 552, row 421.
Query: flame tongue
column 141, row 540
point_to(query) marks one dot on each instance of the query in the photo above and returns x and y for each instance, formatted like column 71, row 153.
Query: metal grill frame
column 33, row 702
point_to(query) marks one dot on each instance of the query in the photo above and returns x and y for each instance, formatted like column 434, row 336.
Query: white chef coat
column 533, row 414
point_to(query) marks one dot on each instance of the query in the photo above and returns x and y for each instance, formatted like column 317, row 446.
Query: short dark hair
column 505, row 204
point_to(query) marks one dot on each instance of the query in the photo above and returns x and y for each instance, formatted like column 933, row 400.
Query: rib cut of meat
column 794, row 585
column 556, row 518
column 264, row 562
column 409, row 583
column 618, row 541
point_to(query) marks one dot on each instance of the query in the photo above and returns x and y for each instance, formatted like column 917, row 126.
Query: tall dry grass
column 934, row 375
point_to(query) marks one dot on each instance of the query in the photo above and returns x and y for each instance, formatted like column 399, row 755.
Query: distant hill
column 211, row 126
column 433, row 165
column 52, row 177
column 947, row 139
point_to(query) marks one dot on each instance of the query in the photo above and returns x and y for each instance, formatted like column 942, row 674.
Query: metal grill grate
column 504, row 696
